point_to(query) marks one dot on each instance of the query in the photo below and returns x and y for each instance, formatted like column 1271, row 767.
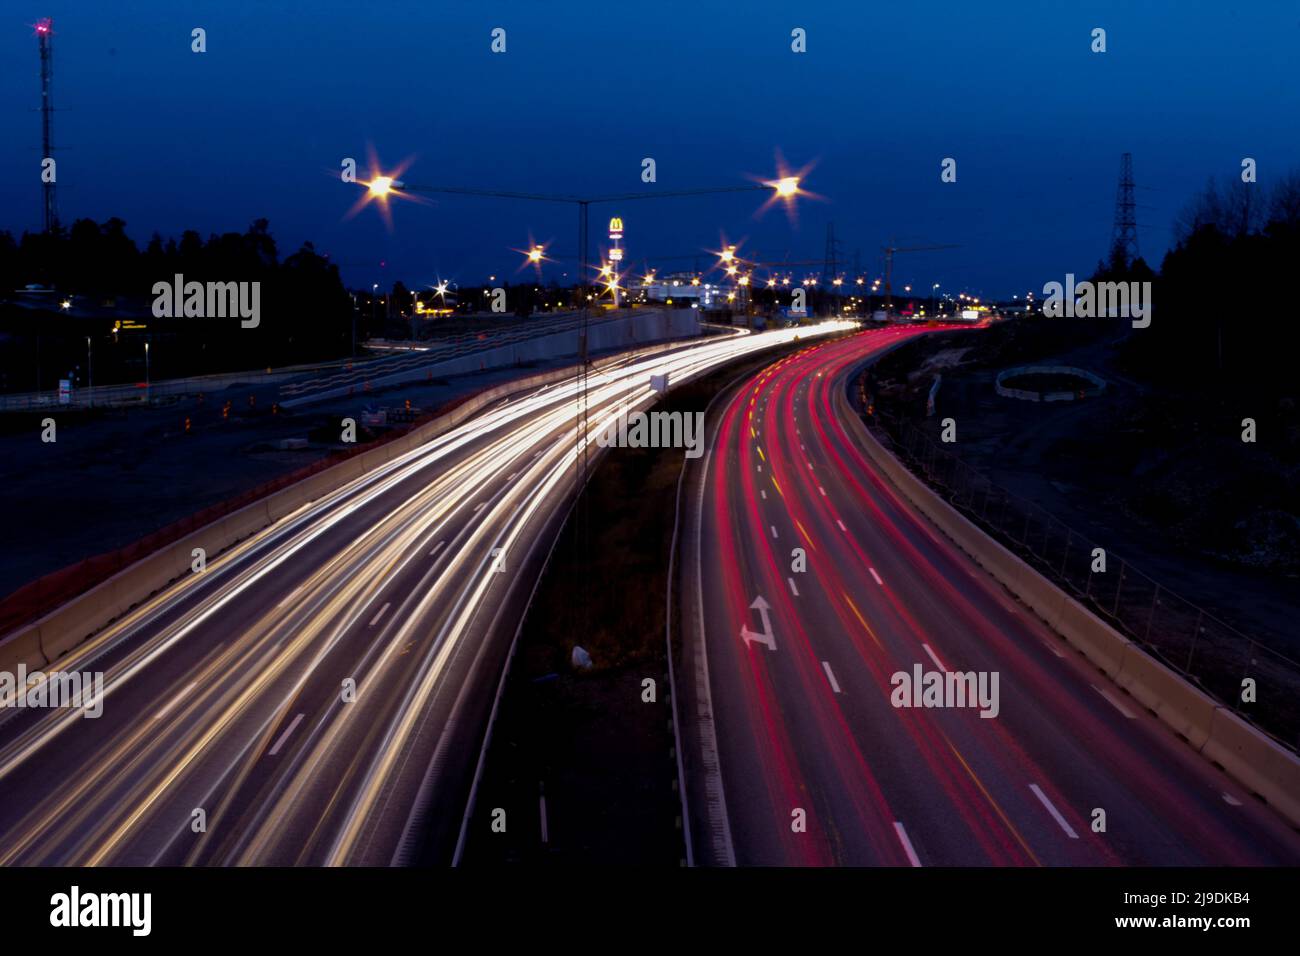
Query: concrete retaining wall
column 649, row 325
column 1098, row 385
column 1258, row 762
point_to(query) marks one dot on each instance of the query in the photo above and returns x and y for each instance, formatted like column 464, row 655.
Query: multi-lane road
column 319, row 694
column 796, row 753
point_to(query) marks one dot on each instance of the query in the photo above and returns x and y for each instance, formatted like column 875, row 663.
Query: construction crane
column 890, row 250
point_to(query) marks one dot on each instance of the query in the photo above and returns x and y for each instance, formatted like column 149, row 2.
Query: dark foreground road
column 787, row 680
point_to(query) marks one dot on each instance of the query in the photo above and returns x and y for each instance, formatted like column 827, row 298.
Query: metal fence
column 1212, row 654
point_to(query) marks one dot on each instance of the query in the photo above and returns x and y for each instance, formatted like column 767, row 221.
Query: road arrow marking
column 766, row 637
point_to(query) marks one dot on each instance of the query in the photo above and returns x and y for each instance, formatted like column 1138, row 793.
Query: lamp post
column 785, row 189
column 146, row 371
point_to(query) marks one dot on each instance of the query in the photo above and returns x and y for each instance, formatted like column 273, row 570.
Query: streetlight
column 785, row 188
column 146, row 371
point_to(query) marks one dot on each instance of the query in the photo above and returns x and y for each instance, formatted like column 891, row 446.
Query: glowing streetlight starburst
column 381, row 187
column 786, row 187
column 534, row 255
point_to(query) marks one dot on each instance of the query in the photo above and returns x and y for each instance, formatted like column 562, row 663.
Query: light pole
column 90, row 370
column 785, row 188
column 146, row 371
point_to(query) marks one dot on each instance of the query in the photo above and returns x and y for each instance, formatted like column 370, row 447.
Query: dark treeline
column 306, row 313
column 1223, row 303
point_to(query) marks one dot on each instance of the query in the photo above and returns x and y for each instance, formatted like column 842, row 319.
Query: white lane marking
column 937, row 663
column 437, row 547
column 773, row 527
column 1053, row 648
column 822, row 490
column 809, row 466
column 1230, row 800
column 907, row 844
column 760, row 468
column 174, row 701
column 876, row 576
column 1056, row 814
column 285, row 736
column 375, row 620
column 841, row 524
column 763, row 493
column 835, row 685
column 511, row 476
column 803, row 446
column 1113, row 702
column 792, row 587
column 480, row 506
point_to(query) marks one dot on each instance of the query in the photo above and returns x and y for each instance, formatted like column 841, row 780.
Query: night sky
column 257, row 126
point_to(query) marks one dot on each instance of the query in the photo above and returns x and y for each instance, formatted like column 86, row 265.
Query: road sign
column 65, row 391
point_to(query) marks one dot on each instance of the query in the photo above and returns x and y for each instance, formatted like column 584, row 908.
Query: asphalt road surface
column 796, row 754
column 319, row 694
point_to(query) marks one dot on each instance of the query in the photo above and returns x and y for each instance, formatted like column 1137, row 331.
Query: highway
column 795, row 754
column 319, row 694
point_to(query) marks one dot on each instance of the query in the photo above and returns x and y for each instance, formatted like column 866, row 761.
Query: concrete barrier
column 1254, row 759
column 23, row 647
column 1186, row 709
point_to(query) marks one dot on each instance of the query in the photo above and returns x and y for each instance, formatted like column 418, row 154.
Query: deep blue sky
column 168, row 139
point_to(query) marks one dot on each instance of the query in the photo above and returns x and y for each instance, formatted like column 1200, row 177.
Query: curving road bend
column 319, row 695
column 795, row 753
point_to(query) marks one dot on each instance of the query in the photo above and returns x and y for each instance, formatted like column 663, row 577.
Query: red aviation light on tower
column 43, row 27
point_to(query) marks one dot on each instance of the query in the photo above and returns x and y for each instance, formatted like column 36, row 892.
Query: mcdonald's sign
column 616, row 228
